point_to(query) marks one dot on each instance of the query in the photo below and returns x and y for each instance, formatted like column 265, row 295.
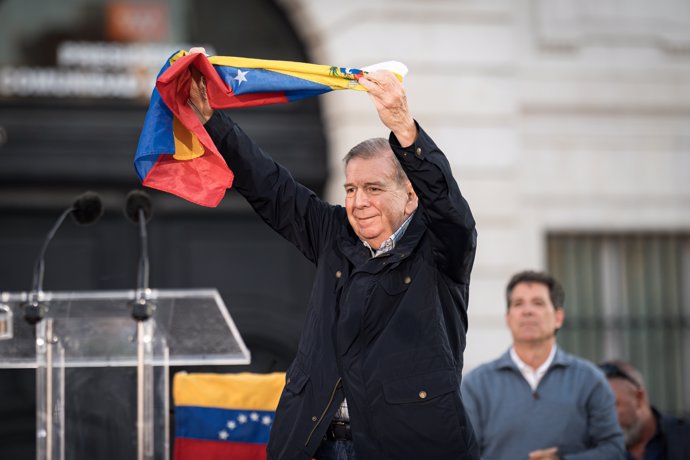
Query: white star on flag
column 241, row 76
column 223, row 434
column 242, row 418
column 266, row 420
column 232, row 425
column 254, row 416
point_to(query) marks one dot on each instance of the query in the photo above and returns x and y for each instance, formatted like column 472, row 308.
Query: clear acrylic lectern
column 102, row 386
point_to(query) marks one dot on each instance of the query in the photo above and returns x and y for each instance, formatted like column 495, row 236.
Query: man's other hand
column 544, row 454
column 198, row 98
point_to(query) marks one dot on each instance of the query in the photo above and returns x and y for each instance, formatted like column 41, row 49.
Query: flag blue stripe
column 156, row 137
column 263, row 81
column 297, row 95
column 214, row 424
column 157, row 134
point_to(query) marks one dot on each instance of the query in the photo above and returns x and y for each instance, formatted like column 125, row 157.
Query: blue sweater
column 572, row 408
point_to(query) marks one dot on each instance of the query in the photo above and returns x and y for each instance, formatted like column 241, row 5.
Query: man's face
column 376, row 203
column 628, row 403
column 531, row 316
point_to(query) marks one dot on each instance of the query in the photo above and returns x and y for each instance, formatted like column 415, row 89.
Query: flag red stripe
column 173, row 176
column 194, row 449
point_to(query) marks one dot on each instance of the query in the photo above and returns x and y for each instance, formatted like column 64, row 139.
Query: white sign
column 92, row 70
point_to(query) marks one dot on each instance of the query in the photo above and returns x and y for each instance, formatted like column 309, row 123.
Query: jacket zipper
column 323, row 414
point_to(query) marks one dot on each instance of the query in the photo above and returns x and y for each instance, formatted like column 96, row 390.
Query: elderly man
column 378, row 365
column 649, row 435
column 536, row 401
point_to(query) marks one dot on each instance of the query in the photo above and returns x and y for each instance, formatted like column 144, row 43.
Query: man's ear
column 640, row 397
column 560, row 317
column 412, row 199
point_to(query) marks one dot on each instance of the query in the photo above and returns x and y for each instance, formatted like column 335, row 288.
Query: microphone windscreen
column 87, row 208
column 136, row 199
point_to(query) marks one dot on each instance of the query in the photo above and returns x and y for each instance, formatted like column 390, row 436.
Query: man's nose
column 528, row 309
column 361, row 199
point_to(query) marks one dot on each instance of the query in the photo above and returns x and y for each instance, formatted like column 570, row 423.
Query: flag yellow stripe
column 314, row 72
column 178, row 55
column 187, row 145
column 251, row 63
column 243, row 391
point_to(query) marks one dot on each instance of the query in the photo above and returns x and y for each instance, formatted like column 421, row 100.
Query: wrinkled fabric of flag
column 222, row 416
column 175, row 153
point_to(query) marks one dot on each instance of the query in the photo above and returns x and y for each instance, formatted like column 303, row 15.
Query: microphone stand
column 142, row 309
column 34, row 308
column 34, row 312
column 86, row 209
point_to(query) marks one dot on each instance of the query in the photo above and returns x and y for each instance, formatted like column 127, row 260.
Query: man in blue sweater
column 537, row 402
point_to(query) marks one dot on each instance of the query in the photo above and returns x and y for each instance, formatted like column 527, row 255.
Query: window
column 628, row 296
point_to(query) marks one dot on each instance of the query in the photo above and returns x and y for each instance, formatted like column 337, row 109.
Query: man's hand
column 544, row 454
column 198, row 99
column 388, row 95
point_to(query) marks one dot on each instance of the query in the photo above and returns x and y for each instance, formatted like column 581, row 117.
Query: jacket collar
column 358, row 254
column 412, row 236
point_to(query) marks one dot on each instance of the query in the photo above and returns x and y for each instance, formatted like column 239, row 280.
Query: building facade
column 567, row 124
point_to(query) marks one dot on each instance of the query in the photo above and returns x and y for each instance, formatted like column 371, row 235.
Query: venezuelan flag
column 175, row 153
column 221, row 416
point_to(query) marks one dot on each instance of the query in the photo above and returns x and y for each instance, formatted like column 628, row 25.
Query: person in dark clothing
column 386, row 323
column 649, row 435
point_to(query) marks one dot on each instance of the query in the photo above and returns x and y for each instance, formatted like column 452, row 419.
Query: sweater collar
column 561, row 358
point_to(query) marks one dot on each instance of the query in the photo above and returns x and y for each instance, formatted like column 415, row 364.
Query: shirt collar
column 521, row 365
column 533, row 376
column 389, row 244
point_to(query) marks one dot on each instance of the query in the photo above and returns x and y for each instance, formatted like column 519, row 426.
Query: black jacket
column 388, row 333
column 675, row 436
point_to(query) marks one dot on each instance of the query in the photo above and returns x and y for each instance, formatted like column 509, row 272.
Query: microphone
column 86, row 209
column 138, row 200
column 138, row 210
